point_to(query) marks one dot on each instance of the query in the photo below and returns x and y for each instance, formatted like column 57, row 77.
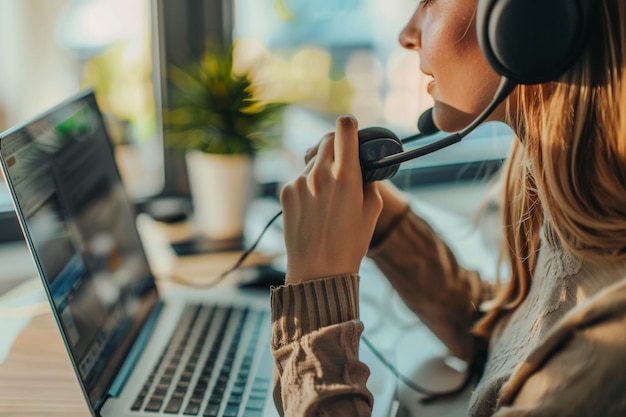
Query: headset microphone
column 426, row 127
column 380, row 150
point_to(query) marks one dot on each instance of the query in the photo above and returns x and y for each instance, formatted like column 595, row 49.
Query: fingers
column 347, row 143
column 325, row 151
column 344, row 124
column 310, row 154
column 339, row 150
column 320, row 174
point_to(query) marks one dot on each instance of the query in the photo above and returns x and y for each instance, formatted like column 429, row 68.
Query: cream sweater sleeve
column 427, row 276
column 315, row 344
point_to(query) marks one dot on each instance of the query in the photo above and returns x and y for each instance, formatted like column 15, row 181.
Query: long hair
column 569, row 165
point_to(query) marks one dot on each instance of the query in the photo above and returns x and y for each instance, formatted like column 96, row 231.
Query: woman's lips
column 430, row 86
column 431, row 83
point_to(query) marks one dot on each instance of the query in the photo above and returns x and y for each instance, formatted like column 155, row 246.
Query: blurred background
column 321, row 59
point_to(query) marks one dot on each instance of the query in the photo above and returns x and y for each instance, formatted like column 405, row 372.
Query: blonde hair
column 569, row 163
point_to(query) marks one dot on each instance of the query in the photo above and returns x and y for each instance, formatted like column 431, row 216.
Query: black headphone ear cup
column 375, row 143
column 532, row 41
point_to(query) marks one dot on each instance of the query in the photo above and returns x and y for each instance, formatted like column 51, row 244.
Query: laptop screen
column 81, row 230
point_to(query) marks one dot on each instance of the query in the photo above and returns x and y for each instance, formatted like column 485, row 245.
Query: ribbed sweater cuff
column 299, row 309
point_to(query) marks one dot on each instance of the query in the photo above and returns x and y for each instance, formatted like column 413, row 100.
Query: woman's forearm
column 315, row 344
column 426, row 274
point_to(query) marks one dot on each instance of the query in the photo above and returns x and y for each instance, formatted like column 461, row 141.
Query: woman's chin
column 450, row 119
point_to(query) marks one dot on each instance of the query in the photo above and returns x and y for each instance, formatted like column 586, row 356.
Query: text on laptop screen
column 81, row 228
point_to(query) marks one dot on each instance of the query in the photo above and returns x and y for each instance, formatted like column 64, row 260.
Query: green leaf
column 215, row 111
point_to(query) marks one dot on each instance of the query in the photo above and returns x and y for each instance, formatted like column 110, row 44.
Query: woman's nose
column 410, row 35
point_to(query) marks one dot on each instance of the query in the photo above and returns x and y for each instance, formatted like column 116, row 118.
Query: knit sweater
column 562, row 352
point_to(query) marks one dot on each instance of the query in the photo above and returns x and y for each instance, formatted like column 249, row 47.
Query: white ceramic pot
column 221, row 189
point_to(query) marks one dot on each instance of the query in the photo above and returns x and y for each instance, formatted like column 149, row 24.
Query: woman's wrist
column 394, row 208
column 300, row 274
column 301, row 309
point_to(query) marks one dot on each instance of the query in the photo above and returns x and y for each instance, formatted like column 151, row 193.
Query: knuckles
column 292, row 190
column 310, row 154
column 300, row 185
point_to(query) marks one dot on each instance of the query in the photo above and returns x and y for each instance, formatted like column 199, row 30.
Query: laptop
column 135, row 351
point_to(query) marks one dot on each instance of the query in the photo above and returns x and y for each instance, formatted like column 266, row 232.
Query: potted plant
column 218, row 119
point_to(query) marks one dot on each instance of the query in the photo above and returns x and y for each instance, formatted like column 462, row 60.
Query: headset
column 524, row 41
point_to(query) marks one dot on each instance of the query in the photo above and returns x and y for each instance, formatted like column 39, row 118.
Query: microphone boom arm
column 505, row 88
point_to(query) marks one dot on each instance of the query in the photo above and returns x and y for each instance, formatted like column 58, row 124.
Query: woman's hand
column 329, row 217
column 394, row 203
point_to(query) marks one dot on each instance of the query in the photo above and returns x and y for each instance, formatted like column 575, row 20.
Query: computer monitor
column 179, row 32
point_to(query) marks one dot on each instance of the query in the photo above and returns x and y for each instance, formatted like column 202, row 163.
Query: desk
column 36, row 378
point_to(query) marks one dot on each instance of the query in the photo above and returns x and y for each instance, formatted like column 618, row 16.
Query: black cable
column 251, row 249
column 430, row 395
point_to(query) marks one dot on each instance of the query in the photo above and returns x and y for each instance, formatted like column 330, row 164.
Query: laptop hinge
column 133, row 357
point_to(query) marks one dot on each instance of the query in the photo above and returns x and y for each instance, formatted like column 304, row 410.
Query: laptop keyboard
column 206, row 367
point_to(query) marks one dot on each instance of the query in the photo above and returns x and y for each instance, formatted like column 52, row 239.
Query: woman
column 555, row 338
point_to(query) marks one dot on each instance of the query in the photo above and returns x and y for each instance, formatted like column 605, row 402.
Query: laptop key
column 212, row 410
column 215, row 399
column 192, row 409
column 255, row 404
column 154, row 405
column 137, row 404
column 231, row 411
column 173, row 406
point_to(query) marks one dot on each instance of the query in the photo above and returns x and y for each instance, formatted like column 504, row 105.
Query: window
column 52, row 49
column 326, row 58
column 342, row 56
